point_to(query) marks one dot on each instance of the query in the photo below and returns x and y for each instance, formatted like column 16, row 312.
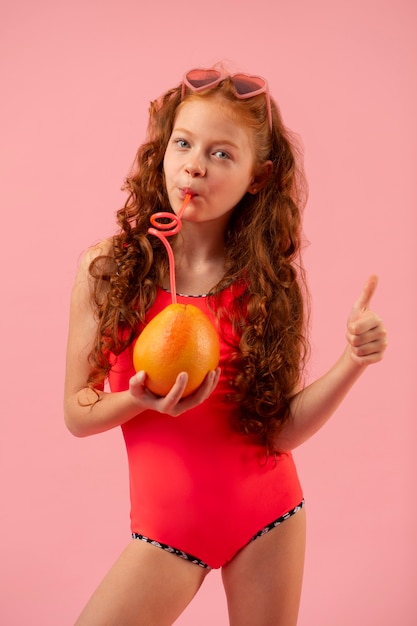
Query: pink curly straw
column 171, row 228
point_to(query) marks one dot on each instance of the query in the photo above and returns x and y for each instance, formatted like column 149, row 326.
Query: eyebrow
column 222, row 142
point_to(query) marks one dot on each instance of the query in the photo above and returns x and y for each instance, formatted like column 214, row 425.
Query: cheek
column 171, row 165
column 235, row 192
column 242, row 180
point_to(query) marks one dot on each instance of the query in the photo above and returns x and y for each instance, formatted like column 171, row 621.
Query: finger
column 210, row 383
column 359, row 339
column 202, row 393
column 139, row 378
column 137, row 381
column 362, row 303
column 365, row 322
column 216, row 378
column 368, row 353
column 175, row 393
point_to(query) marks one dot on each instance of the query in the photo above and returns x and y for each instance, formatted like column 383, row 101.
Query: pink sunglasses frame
column 209, row 78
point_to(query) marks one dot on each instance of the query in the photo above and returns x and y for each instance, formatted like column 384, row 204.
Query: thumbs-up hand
column 366, row 333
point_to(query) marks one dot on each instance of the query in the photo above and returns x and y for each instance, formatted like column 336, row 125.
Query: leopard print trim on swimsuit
column 195, row 560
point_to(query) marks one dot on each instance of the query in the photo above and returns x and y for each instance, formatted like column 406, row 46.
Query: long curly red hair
column 262, row 243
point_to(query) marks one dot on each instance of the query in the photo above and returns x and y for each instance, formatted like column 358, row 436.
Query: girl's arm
column 315, row 404
column 89, row 411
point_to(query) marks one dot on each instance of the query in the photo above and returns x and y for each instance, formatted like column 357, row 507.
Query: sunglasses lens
column 201, row 78
column 248, row 84
column 245, row 85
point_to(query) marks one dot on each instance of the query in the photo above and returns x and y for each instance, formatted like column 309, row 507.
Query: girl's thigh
column 145, row 587
column 263, row 582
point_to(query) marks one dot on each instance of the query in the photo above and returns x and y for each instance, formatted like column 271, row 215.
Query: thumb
column 137, row 380
column 139, row 377
column 362, row 303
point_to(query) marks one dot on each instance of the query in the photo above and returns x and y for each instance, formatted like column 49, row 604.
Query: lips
column 187, row 190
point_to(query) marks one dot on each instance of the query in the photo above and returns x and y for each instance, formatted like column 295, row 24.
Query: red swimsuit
column 195, row 483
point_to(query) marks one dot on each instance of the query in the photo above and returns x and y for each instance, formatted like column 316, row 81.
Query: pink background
column 76, row 80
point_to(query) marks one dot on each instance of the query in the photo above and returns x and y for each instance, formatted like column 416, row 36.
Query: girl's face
column 211, row 156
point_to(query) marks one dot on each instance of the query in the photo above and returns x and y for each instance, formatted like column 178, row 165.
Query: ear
column 261, row 177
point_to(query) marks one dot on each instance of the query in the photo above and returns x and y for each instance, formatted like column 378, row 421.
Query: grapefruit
column 181, row 338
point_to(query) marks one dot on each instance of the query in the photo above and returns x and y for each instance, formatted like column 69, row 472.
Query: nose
column 195, row 167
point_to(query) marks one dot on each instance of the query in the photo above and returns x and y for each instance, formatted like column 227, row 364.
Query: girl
column 212, row 479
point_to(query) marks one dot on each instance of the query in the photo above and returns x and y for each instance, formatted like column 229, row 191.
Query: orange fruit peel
column 181, row 338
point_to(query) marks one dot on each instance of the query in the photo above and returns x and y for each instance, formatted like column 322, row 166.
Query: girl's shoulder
column 103, row 248
column 90, row 270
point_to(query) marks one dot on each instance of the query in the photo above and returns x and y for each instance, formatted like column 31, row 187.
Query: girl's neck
column 199, row 244
column 199, row 266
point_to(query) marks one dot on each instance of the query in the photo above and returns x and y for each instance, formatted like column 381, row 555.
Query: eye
column 181, row 143
column 221, row 154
